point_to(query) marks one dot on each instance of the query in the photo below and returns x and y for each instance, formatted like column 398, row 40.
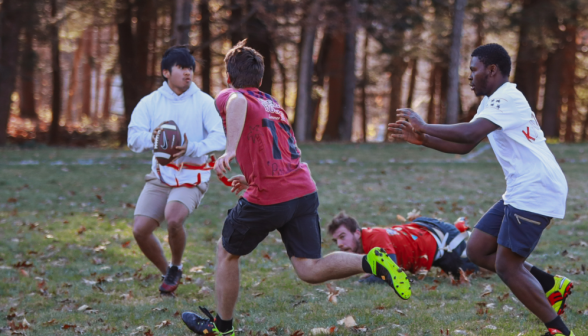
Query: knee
column 307, row 275
column 141, row 231
column 175, row 224
column 504, row 270
column 222, row 254
column 473, row 254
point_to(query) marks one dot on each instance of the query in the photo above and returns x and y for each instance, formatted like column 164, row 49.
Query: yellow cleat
column 384, row 267
column 558, row 294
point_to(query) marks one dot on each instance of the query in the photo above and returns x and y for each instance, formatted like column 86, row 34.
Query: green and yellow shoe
column 204, row 326
column 555, row 332
column 386, row 269
column 559, row 293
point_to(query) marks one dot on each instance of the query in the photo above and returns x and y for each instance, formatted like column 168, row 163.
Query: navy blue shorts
column 517, row 230
column 247, row 225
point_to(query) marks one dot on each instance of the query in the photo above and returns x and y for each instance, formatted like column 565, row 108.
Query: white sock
column 179, row 267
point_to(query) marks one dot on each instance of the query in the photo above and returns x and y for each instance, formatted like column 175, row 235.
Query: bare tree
column 56, row 76
column 205, row 53
column 454, row 58
column 182, row 24
column 10, row 24
column 303, row 99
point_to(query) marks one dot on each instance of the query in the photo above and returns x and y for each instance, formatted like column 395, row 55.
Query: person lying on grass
column 536, row 188
column 416, row 246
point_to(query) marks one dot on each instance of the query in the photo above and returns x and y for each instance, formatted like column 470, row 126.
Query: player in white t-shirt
column 536, row 188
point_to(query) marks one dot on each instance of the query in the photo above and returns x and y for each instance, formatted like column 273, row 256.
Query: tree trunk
column 127, row 64
column 28, row 63
column 411, row 86
column 454, row 58
column 320, row 69
column 10, row 24
column 259, row 38
column 569, row 90
column 349, row 80
column 552, row 98
column 432, row 94
column 530, row 54
column 235, row 24
column 87, row 72
column 182, row 24
column 73, row 81
column 107, row 90
column 204, row 40
column 397, row 68
column 56, row 77
column 364, row 84
column 145, row 11
column 98, row 67
column 336, row 73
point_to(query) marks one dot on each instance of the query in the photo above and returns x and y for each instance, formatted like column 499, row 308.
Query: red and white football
column 166, row 140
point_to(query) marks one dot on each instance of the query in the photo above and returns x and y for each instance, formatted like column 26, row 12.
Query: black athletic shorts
column 248, row 224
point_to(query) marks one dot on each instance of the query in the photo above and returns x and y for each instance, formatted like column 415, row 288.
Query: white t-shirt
column 534, row 180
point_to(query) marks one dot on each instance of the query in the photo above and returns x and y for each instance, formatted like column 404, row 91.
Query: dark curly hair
column 493, row 53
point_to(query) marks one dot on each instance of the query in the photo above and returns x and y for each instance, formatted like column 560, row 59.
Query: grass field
column 69, row 264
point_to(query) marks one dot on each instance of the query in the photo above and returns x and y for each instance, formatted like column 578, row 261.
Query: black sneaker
column 199, row 324
column 171, row 280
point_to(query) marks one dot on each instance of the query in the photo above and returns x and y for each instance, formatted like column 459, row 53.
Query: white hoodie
column 195, row 114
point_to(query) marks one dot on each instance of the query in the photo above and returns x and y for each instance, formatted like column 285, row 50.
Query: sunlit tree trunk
column 98, row 68
column 73, row 81
column 10, row 24
column 454, row 60
column 397, row 69
column 87, row 71
column 55, row 76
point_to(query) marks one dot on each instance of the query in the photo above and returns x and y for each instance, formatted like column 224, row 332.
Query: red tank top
column 267, row 152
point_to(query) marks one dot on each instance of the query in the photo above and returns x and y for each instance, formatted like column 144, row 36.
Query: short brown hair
column 244, row 65
column 342, row 219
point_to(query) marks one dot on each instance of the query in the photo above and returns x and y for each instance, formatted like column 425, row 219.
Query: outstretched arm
column 465, row 133
column 404, row 130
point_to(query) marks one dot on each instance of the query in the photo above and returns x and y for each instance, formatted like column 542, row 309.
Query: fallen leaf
column 333, row 293
column 257, row 294
column 507, row 308
column 159, row 309
column 164, row 323
column 297, row 333
column 68, row 326
column 487, row 290
column 205, row 291
column 347, row 321
column 99, row 197
column 267, row 256
column 81, row 230
column 12, row 200
column 323, row 331
column 414, row 214
column 49, row 323
column 503, row 297
column 126, row 244
column 399, row 312
column 84, row 307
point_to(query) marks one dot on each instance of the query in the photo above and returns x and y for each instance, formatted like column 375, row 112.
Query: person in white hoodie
column 172, row 192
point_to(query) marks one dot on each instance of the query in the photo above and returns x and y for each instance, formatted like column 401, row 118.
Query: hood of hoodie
column 167, row 92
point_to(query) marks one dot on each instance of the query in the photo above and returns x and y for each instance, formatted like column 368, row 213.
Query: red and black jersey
column 413, row 245
column 267, row 152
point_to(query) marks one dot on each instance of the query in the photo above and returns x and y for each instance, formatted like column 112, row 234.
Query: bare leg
column 175, row 215
column 336, row 265
column 510, row 268
column 481, row 250
column 143, row 228
column 226, row 282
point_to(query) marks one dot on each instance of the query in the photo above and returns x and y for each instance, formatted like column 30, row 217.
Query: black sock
column 222, row 325
column 546, row 280
column 366, row 265
column 558, row 324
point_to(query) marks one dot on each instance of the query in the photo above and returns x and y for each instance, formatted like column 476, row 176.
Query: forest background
column 71, row 71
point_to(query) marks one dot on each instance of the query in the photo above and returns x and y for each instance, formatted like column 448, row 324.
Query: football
column 166, row 140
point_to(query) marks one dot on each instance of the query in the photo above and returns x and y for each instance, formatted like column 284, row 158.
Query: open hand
column 223, row 164
column 418, row 124
column 404, row 130
column 182, row 149
column 239, row 184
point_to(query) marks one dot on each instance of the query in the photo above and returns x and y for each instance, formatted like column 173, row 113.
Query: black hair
column 244, row 65
column 178, row 55
column 493, row 53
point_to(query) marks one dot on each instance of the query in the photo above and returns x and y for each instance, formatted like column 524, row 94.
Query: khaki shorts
column 156, row 195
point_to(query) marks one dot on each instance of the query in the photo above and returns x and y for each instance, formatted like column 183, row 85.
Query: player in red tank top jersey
column 268, row 155
column 280, row 195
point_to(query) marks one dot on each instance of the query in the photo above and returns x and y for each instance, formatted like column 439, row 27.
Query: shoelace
column 207, row 313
